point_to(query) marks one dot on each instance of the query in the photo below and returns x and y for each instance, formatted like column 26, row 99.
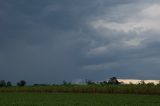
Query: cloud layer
column 50, row 41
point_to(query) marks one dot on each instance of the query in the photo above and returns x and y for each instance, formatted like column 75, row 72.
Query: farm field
column 77, row 99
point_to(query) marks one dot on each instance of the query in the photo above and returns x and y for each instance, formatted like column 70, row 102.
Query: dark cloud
column 49, row 41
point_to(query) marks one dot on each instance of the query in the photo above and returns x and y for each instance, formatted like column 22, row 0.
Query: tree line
column 111, row 81
column 3, row 83
column 22, row 83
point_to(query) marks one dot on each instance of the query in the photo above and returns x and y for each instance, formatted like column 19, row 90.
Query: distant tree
column 158, row 83
column 21, row 83
column 122, row 83
column 9, row 84
column 150, row 84
column 2, row 83
column 142, row 82
column 64, row 82
column 69, row 83
column 113, row 80
column 41, row 84
column 36, row 84
column 130, row 83
column 53, row 84
column 89, row 82
column 103, row 83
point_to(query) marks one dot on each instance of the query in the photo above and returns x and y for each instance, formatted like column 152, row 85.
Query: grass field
column 78, row 99
column 112, row 89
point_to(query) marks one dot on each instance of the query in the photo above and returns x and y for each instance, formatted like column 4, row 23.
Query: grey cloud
column 47, row 41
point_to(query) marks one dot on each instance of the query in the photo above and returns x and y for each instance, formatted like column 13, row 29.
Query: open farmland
column 95, row 88
column 79, row 99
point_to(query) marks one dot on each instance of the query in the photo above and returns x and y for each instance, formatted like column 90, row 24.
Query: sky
column 48, row 41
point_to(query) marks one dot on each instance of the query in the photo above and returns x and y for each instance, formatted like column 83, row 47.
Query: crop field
column 77, row 99
column 112, row 89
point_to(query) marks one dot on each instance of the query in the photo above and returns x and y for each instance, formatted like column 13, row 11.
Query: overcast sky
column 46, row 41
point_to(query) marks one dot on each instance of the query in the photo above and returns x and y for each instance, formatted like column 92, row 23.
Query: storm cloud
column 55, row 40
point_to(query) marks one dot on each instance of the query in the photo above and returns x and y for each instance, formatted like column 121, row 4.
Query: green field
column 112, row 89
column 78, row 99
